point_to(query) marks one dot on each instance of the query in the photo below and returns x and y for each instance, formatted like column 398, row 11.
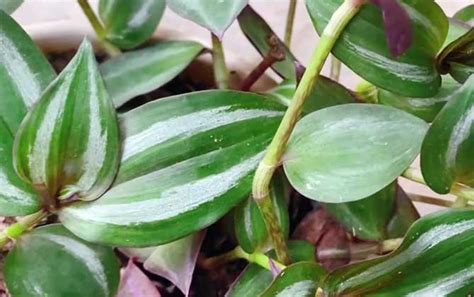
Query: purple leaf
column 174, row 261
column 397, row 26
column 134, row 283
column 274, row 268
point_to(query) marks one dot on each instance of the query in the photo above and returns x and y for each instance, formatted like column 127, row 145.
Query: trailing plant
column 98, row 165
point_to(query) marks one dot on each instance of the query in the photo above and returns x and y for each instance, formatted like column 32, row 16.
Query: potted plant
column 120, row 178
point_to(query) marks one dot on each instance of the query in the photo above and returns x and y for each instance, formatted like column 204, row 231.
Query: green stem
column 335, row 69
column 98, row 28
column 461, row 191
column 270, row 162
column 367, row 92
column 221, row 73
column 238, row 253
column 290, row 19
column 24, row 224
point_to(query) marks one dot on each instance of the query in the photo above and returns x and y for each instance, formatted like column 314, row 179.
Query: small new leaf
column 68, row 144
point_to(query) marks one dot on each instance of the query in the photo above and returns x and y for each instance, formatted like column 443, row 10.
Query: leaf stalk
column 21, row 226
column 290, row 20
column 98, row 28
column 221, row 73
column 270, row 162
column 461, row 191
column 238, row 253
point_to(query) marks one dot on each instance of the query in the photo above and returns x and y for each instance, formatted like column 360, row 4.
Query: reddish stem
column 276, row 53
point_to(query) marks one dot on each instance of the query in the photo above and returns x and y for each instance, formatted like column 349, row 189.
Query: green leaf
column 461, row 71
column 404, row 216
column 68, row 143
column 9, row 6
column 466, row 14
column 214, row 15
column 130, row 23
column 424, row 108
column 251, row 282
column 16, row 196
column 433, row 260
column 446, row 155
column 366, row 218
column 386, row 214
column 254, row 279
column 24, row 72
column 250, row 228
column 325, row 93
column 141, row 71
column 300, row 279
column 50, row 261
column 349, row 152
column 198, row 150
column 262, row 37
column 363, row 46
column 174, row 261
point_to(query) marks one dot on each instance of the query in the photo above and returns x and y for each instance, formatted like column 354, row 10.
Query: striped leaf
column 187, row 160
column 141, row 71
column 130, row 23
column 50, row 261
column 24, row 73
column 348, row 152
column 214, row 15
column 68, row 144
column 363, row 46
column 446, row 154
column 435, row 259
column 16, row 196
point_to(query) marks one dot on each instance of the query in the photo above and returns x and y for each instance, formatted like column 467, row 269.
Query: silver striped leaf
column 68, row 144
column 24, row 74
column 433, row 260
column 51, row 261
column 187, row 160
